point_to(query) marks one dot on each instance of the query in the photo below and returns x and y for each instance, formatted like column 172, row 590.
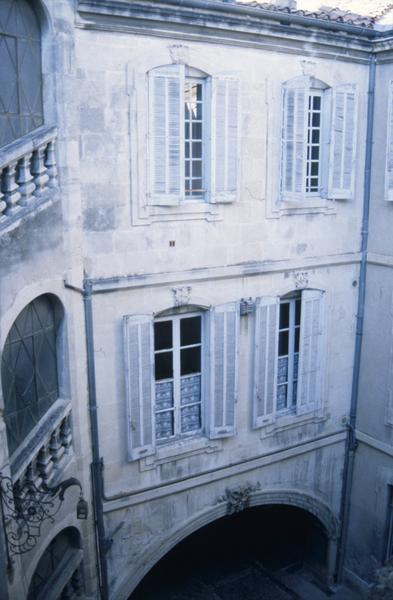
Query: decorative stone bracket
column 238, row 499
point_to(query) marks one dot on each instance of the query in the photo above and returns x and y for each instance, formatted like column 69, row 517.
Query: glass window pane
column 186, row 131
column 297, row 311
column 315, row 152
column 283, row 343
column 197, row 149
column 197, row 131
column 199, row 91
column 164, row 395
column 297, row 337
column 315, row 136
column 314, row 168
column 164, row 425
column 163, row 365
column 190, row 389
column 316, row 102
column 284, row 315
column 187, row 168
column 281, row 397
column 316, row 119
column 162, row 335
column 282, row 375
column 190, row 360
column 190, row 418
column 190, row 331
column 197, row 168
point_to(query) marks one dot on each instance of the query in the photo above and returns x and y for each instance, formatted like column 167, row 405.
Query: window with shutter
column 298, row 370
column 193, row 136
column 318, row 140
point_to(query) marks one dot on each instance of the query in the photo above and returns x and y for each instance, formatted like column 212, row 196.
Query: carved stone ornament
column 301, row 279
column 238, row 499
column 308, row 67
column 179, row 54
column 181, row 295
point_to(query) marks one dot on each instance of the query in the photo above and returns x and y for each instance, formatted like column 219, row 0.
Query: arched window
column 20, row 74
column 29, row 368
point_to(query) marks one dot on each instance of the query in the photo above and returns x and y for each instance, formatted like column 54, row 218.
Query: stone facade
column 96, row 242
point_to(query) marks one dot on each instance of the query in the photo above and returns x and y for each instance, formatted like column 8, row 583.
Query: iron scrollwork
column 27, row 507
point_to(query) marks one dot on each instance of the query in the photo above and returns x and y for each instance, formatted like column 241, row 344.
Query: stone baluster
column 44, row 463
column 38, row 170
column 66, row 433
column 25, row 179
column 3, row 204
column 11, row 189
column 50, row 163
column 55, row 447
column 32, row 474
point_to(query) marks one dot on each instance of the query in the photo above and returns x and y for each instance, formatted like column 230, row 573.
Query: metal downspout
column 351, row 442
column 96, row 466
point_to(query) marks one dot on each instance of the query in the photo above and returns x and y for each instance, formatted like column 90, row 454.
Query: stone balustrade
column 48, row 459
column 28, row 174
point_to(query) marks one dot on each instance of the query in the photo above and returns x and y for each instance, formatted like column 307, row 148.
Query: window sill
column 289, row 420
column 180, row 448
column 189, row 209
column 313, row 204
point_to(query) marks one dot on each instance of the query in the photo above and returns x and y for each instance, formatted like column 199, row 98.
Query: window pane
column 282, row 375
column 281, row 397
column 163, row 365
column 190, row 360
column 316, row 102
column 190, row 331
column 284, row 315
column 283, row 343
column 186, row 131
column 197, row 168
column 164, row 395
column 162, row 335
column 191, row 418
column 196, row 184
column 197, row 149
column 187, row 150
column 164, row 425
column 315, row 136
column 315, row 152
column 187, row 168
column 190, row 389
column 295, row 365
column 316, row 119
column 197, row 131
column 297, row 337
column 314, row 168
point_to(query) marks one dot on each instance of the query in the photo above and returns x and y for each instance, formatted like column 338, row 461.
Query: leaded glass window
column 288, row 353
column 29, row 369
column 178, row 375
column 20, row 71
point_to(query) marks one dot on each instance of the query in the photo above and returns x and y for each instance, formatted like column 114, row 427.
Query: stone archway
column 311, row 505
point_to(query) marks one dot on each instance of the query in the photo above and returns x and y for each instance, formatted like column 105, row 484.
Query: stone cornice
column 223, row 23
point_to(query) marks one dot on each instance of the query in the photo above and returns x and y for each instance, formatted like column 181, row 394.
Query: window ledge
column 289, row 421
column 179, row 449
column 183, row 212
column 314, row 204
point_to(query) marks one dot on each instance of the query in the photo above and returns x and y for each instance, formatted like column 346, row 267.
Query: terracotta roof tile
column 360, row 13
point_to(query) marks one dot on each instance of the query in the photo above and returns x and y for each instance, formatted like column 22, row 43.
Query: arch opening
column 243, row 555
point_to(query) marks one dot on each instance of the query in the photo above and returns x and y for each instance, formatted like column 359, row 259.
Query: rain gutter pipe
column 351, row 442
column 102, row 544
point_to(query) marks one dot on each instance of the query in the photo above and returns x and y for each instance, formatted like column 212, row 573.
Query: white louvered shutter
column 342, row 151
column 224, row 333
column 225, row 139
column 265, row 364
column 166, row 135
column 138, row 351
column 389, row 149
column 309, row 378
column 294, row 136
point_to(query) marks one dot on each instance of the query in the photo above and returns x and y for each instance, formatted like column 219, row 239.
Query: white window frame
column 192, row 76
column 177, row 377
column 291, row 379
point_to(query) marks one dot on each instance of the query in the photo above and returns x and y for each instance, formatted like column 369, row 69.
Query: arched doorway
column 241, row 555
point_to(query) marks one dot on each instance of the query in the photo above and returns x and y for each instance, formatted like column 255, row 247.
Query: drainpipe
column 351, row 442
column 102, row 543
